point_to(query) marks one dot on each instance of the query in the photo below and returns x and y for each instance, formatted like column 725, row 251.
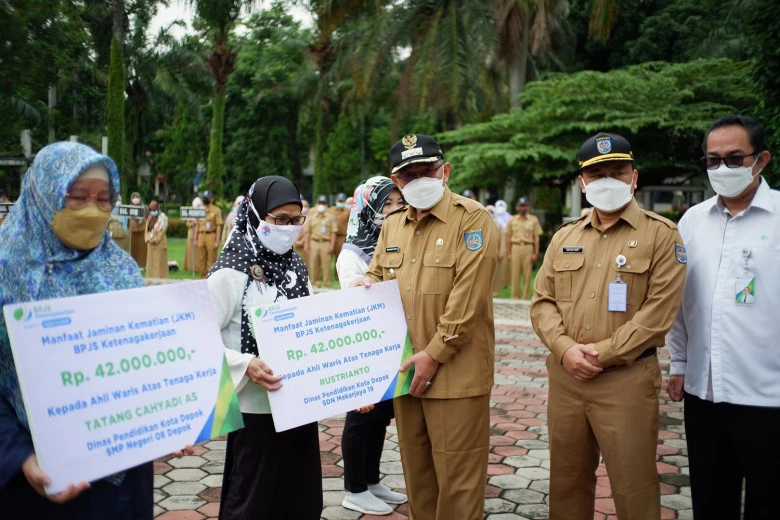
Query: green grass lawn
column 176, row 248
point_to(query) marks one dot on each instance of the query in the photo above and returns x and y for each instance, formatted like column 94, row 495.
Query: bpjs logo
column 23, row 314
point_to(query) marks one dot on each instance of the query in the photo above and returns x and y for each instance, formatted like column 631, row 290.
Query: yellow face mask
column 80, row 229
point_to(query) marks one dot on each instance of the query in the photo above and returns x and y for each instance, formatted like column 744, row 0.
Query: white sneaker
column 386, row 494
column 366, row 503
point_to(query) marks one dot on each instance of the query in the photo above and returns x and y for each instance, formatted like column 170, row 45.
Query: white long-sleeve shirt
column 729, row 351
column 229, row 297
column 350, row 267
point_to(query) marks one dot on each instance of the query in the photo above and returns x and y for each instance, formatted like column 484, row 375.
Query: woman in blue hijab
column 54, row 243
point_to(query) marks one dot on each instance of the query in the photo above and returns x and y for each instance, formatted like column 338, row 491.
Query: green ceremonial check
column 116, row 379
column 336, row 351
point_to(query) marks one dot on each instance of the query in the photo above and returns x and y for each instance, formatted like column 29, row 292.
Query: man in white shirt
column 724, row 343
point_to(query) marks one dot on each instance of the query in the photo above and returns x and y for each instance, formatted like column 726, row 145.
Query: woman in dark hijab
column 268, row 475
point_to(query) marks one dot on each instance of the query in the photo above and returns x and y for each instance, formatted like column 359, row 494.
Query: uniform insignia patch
column 680, row 254
column 439, row 242
column 473, row 239
column 604, row 144
column 409, row 141
column 632, row 243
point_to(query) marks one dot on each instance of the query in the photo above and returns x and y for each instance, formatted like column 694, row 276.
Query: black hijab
column 245, row 253
column 367, row 202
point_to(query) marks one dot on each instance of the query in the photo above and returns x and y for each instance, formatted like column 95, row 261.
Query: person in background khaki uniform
column 320, row 242
column 606, row 295
column 442, row 252
column 157, row 242
column 119, row 228
column 137, row 242
column 501, row 217
column 341, row 214
column 208, row 233
column 522, row 247
column 3, row 200
column 189, row 254
column 300, row 242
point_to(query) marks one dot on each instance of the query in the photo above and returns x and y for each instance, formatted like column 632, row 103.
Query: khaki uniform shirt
column 571, row 291
column 320, row 225
column 523, row 230
column 342, row 220
column 444, row 266
column 212, row 220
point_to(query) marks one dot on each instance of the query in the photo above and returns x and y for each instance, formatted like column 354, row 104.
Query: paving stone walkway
column 518, row 472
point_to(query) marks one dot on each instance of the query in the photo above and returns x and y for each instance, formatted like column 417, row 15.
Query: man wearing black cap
column 522, row 237
column 207, row 235
column 341, row 214
column 319, row 242
column 442, row 252
column 606, row 295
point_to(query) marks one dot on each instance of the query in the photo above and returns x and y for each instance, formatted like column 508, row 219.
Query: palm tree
column 220, row 17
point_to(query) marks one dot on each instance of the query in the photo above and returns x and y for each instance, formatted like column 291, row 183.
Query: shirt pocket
column 636, row 273
column 390, row 263
column 568, row 275
column 437, row 274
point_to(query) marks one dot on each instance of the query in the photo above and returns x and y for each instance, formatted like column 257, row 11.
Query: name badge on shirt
column 745, row 289
column 208, row 225
column 618, row 296
column 573, row 249
column 324, row 230
column 392, row 249
column 618, row 290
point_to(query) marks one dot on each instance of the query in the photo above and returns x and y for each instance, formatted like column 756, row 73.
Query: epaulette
column 572, row 222
column 659, row 218
column 469, row 205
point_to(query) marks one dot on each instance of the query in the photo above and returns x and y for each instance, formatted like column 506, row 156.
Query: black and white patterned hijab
column 278, row 277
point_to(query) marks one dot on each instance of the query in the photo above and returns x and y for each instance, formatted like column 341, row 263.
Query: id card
column 618, row 296
column 745, row 289
column 324, row 230
column 208, row 225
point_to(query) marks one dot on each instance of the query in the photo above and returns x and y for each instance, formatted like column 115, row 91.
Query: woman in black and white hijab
column 267, row 475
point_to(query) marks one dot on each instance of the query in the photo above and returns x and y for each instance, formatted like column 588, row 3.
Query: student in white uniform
column 364, row 431
column 268, row 475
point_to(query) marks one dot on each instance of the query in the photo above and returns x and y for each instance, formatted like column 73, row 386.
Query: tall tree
column 116, row 113
column 220, row 18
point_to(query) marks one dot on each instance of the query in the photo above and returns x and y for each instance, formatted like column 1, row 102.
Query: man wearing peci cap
column 208, row 233
column 319, row 242
column 606, row 295
column 522, row 247
column 341, row 214
column 442, row 251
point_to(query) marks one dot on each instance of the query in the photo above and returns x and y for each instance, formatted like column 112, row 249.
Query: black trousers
column 361, row 445
column 726, row 444
column 269, row 475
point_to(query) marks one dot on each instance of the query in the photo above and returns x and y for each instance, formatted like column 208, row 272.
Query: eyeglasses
column 732, row 161
column 288, row 221
column 78, row 199
column 410, row 176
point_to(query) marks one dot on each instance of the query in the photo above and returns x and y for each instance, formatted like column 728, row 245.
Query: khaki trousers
column 206, row 253
column 320, row 262
column 501, row 277
column 615, row 413
column 521, row 266
column 444, row 452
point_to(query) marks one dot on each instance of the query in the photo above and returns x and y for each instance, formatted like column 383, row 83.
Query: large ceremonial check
column 336, row 351
column 115, row 379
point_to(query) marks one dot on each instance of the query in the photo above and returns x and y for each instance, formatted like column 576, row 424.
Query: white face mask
column 608, row 194
column 500, row 210
column 423, row 193
column 379, row 219
column 321, row 208
column 278, row 239
column 730, row 182
column 136, row 202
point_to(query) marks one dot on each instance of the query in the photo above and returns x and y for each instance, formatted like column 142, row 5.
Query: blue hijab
column 35, row 265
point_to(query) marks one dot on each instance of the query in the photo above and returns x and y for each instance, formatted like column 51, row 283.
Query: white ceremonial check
column 115, row 379
column 336, row 351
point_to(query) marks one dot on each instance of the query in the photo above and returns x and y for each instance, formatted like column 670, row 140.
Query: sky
column 183, row 11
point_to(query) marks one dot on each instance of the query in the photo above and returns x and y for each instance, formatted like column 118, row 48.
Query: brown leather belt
column 208, row 232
